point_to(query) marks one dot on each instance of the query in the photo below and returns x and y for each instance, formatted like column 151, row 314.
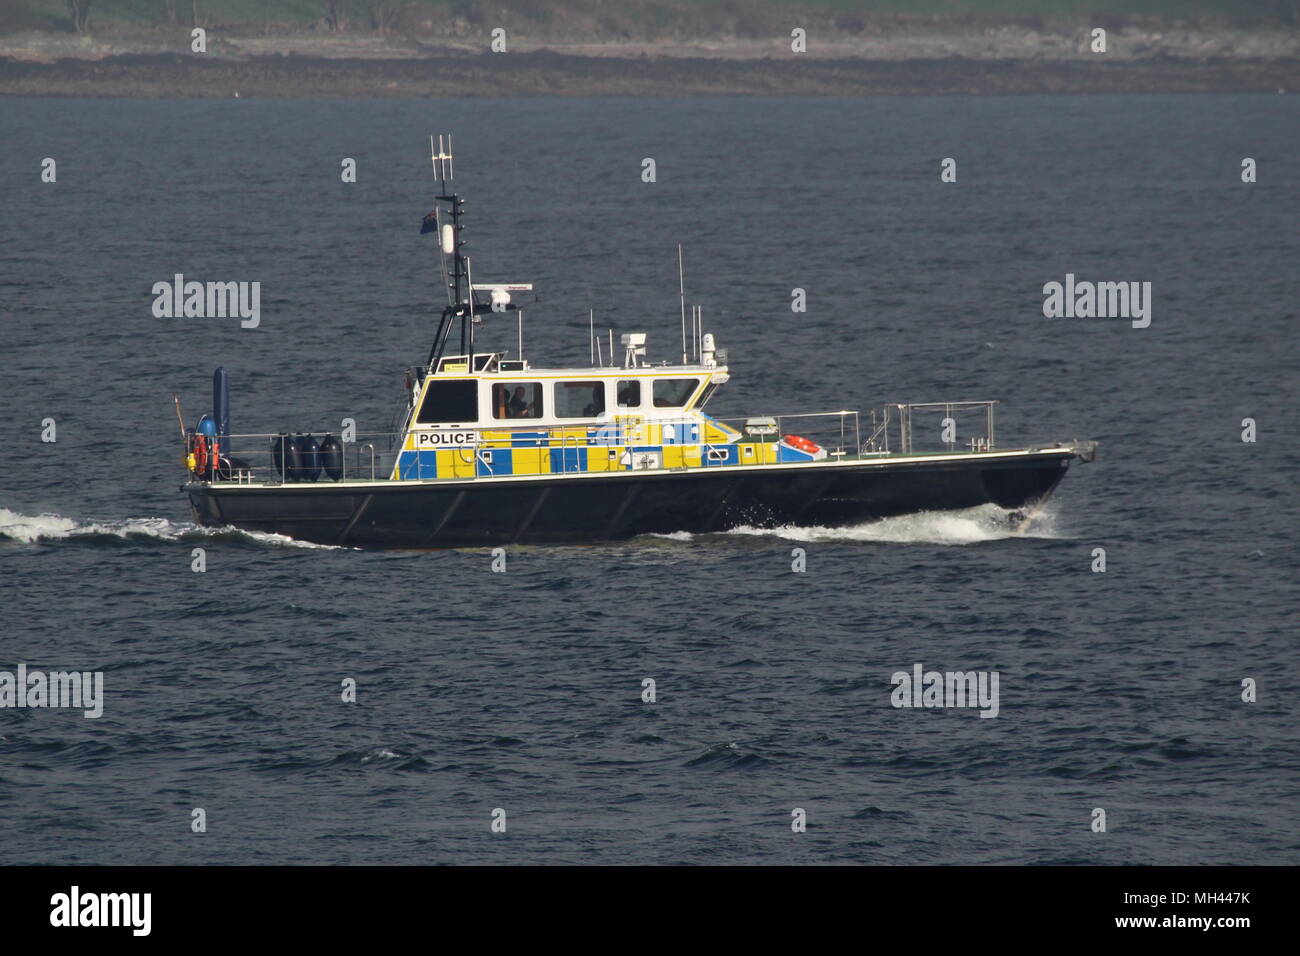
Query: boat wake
column 52, row 528
column 967, row 526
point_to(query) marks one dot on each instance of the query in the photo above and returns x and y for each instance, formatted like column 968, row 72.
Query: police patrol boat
column 495, row 450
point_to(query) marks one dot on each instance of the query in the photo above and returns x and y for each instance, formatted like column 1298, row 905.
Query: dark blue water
column 522, row 690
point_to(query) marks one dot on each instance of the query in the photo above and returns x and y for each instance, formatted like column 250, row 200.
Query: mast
column 681, row 289
column 462, row 303
column 456, row 277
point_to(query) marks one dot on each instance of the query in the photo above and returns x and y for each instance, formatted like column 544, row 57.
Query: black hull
column 568, row 509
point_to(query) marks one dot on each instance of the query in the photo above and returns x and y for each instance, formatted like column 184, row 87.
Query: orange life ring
column 200, row 454
column 802, row 444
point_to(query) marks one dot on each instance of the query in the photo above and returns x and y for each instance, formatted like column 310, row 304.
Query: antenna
column 442, row 160
column 591, row 334
column 681, row 286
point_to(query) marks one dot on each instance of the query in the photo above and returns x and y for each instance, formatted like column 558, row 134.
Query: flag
column 430, row 223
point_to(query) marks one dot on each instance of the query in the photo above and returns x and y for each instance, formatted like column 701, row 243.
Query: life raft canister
column 278, row 444
column 802, row 444
column 331, row 457
column 308, row 458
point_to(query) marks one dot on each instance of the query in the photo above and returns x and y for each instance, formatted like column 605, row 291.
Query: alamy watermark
column 79, row 689
column 923, row 688
column 1098, row 300
column 208, row 300
column 75, row 908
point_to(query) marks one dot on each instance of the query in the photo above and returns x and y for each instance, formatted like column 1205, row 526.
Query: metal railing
column 878, row 442
column 834, row 436
column 250, row 458
column 948, row 430
column 372, row 456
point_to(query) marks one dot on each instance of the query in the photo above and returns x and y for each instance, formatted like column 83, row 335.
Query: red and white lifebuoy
column 802, row 444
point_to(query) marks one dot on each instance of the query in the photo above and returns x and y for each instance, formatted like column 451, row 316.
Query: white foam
column 30, row 529
column 964, row 527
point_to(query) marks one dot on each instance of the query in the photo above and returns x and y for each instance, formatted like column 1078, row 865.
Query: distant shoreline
column 548, row 73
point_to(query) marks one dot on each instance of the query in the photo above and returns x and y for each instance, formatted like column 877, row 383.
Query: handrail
column 841, row 414
column 569, row 437
column 253, row 453
column 879, row 431
column 906, row 431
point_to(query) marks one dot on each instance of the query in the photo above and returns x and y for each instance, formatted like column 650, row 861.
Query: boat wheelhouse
column 508, row 418
column 495, row 450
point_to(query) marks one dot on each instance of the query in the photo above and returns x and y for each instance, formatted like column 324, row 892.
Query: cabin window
column 517, row 400
column 579, row 399
column 674, row 392
column 706, row 394
column 449, row 403
column 629, row 393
